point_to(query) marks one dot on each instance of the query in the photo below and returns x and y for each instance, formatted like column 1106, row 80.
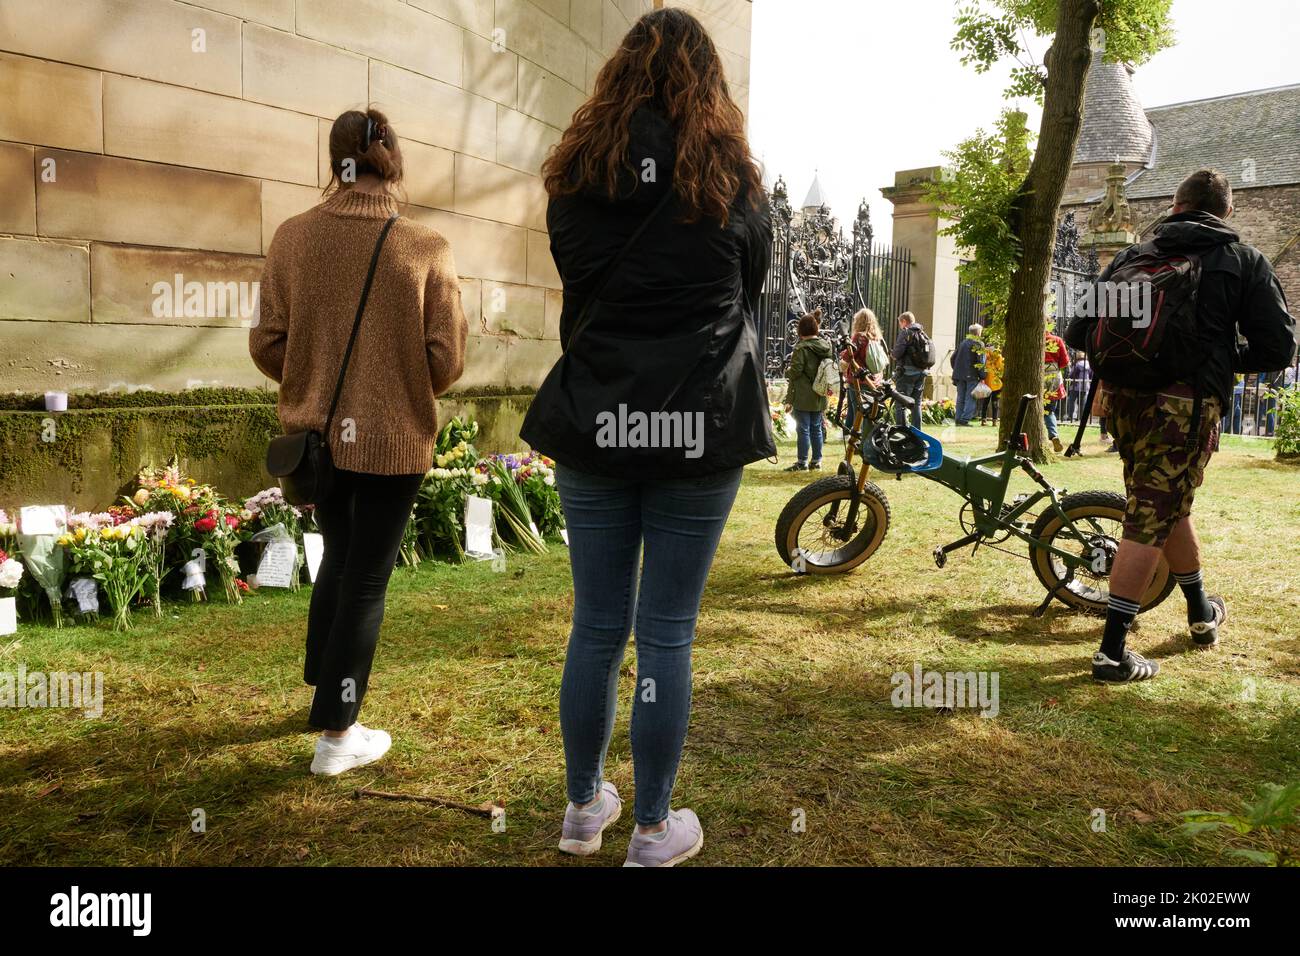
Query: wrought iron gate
column 814, row 266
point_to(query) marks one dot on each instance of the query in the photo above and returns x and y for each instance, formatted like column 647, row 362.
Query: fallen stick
column 491, row 810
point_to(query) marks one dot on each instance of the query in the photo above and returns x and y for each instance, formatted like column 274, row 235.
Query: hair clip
column 370, row 127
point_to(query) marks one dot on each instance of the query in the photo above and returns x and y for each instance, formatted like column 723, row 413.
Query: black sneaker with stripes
column 1131, row 667
column 1206, row 633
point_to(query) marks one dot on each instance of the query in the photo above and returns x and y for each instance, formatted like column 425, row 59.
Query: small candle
column 56, row 401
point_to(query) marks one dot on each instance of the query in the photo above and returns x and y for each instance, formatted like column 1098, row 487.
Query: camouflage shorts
column 1160, row 474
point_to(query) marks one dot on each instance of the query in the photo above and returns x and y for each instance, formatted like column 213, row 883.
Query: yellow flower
column 141, row 497
column 65, row 540
column 80, row 534
column 182, row 493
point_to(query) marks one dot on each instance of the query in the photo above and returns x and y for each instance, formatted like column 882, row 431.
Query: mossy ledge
column 87, row 456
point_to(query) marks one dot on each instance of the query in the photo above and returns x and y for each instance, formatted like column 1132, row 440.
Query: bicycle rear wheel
column 812, row 535
column 1099, row 517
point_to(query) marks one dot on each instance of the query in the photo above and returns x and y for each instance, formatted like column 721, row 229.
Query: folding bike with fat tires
column 836, row 523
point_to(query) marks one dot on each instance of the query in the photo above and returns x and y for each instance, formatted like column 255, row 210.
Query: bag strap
column 356, row 323
column 584, row 316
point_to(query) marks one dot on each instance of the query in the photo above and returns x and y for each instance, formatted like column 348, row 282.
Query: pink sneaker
column 681, row 840
column 582, row 831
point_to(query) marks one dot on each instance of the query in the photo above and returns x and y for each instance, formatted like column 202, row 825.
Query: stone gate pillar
column 932, row 296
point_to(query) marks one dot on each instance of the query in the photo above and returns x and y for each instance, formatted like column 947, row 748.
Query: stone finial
column 1112, row 217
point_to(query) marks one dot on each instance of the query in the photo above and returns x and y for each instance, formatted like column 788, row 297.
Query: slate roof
column 1114, row 124
column 1255, row 132
column 816, row 197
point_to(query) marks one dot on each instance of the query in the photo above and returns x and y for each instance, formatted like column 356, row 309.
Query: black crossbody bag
column 302, row 461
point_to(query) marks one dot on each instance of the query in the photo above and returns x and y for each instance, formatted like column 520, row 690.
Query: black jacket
column 674, row 330
column 1241, row 309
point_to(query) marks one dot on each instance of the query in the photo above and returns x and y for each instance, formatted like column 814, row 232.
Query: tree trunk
column 1034, row 215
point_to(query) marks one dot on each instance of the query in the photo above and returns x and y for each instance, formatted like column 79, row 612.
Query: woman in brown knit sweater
column 410, row 349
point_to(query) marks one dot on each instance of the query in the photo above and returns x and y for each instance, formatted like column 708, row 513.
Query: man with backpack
column 1167, row 354
column 913, row 356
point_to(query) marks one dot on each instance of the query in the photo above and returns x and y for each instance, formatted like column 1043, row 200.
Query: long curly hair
column 668, row 62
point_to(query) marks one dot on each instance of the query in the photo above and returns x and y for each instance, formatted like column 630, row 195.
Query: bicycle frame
column 982, row 482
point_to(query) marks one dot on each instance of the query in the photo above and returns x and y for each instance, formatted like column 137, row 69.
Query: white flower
column 480, row 479
column 549, row 479
column 11, row 572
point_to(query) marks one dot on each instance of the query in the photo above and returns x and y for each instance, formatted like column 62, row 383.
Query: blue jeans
column 965, row 401
column 610, row 521
column 810, row 427
column 1049, row 419
column 850, row 410
column 910, row 382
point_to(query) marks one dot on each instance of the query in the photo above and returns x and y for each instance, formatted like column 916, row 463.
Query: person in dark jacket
column 801, row 398
column 968, row 371
column 909, row 378
column 1242, row 326
column 656, row 403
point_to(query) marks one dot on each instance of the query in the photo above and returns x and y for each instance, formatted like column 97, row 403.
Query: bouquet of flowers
column 502, row 487
column 11, row 574
column 780, row 425
column 536, row 477
column 457, row 433
column 201, row 519
column 440, row 509
column 217, row 530
column 116, row 556
column 267, row 508
column 937, row 412
column 156, row 526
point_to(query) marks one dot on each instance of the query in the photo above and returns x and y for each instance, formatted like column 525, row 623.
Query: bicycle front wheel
column 1094, row 530
column 813, row 534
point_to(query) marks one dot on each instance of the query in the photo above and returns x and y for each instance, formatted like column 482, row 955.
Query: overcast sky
column 856, row 89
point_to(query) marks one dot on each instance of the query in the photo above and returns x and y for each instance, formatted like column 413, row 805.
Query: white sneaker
column 361, row 746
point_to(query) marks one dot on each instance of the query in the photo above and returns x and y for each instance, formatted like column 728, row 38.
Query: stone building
column 143, row 140
column 1251, row 137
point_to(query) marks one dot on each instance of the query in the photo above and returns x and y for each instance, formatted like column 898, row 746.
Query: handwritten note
column 278, row 564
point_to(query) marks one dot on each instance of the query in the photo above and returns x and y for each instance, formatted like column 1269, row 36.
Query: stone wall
column 1267, row 218
column 144, row 139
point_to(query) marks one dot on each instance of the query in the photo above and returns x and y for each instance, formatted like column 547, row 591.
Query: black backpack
column 1145, row 335
column 920, row 352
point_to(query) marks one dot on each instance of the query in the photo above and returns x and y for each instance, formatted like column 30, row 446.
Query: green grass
column 206, row 709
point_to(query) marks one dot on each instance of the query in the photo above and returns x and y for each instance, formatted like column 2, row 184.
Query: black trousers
column 361, row 520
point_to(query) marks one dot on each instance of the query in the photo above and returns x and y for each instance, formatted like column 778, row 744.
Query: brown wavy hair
column 668, row 62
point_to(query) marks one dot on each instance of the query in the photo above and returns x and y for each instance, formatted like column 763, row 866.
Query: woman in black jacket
column 661, row 236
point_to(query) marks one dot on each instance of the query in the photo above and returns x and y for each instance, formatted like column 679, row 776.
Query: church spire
column 1115, row 127
column 816, row 198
